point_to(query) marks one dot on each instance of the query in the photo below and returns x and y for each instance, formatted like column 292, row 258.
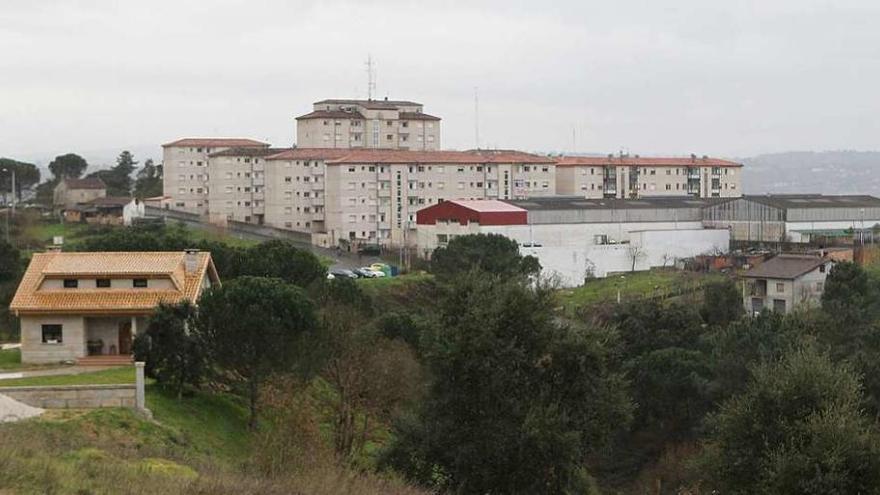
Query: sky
column 729, row 79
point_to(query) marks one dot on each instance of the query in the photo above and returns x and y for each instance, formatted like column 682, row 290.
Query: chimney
column 191, row 260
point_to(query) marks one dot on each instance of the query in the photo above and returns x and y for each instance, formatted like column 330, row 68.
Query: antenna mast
column 371, row 77
column 476, row 118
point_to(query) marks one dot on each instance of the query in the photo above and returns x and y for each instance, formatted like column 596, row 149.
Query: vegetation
column 148, row 183
column 113, row 376
column 118, row 178
column 10, row 359
column 490, row 253
column 173, row 355
column 254, row 327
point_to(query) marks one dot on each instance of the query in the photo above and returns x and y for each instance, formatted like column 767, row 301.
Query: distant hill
column 826, row 172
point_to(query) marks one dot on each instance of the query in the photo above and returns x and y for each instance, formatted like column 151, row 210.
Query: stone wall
column 74, row 396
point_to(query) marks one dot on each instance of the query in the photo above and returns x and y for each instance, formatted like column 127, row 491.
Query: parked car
column 364, row 272
column 343, row 273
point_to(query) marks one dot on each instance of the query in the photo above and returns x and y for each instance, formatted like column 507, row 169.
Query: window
column 780, row 287
column 71, row 283
column 102, row 283
column 139, row 283
column 52, row 334
column 821, row 268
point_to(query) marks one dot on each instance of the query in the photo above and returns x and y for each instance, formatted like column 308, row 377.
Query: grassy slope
column 10, row 359
column 195, row 445
column 633, row 286
column 112, row 376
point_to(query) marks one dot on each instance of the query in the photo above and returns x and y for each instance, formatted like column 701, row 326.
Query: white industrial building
column 575, row 238
column 797, row 218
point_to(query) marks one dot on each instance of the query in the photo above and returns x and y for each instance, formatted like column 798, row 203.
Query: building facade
column 795, row 217
column 237, row 185
column 372, row 196
column 185, row 171
column 641, row 177
column 784, row 283
column 377, row 124
column 76, row 305
column 69, row 192
column 575, row 239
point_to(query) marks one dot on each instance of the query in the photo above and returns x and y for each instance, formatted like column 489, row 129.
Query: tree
column 372, row 376
column 26, row 176
column 849, row 294
column 10, row 262
column 491, row 253
column 722, row 303
column 69, row 166
column 148, row 182
column 516, row 403
column 284, row 260
column 254, row 327
column 173, row 356
column 635, row 253
column 118, row 178
column 797, row 429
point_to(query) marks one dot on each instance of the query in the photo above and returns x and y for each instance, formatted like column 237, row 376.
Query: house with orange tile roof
column 86, row 307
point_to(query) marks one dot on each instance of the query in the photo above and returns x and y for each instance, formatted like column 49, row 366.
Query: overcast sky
column 721, row 78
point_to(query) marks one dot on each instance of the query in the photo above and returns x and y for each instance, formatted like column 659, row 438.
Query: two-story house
column 89, row 306
column 785, row 282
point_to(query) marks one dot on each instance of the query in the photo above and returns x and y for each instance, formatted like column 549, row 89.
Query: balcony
column 258, row 196
column 384, row 193
column 758, row 288
column 317, row 170
column 318, row 201
column 693, row 175
column 316, row 186
column 259, row 182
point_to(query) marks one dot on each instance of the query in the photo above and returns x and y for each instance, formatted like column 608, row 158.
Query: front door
column 125, row 337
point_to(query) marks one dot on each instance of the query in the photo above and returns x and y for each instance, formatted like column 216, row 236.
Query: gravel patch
column 12, row 410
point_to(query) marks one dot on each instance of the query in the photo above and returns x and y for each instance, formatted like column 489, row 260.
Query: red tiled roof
column 30, row 298
column 309, row 154
column 86, row 183
column 331, row 114
column 473, row 157
column 653, row 161
column 416, row 116
column 216, row 143
column 248, row 152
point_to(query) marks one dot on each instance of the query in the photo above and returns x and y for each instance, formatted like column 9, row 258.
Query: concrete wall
column 74, row 396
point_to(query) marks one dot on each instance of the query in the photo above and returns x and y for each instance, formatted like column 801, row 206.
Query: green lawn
column 211, row 424
column 220, row 235
column 10, row 359
column 632, row 286
column 112, row 376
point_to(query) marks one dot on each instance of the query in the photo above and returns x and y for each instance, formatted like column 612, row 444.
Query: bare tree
column 635, row 253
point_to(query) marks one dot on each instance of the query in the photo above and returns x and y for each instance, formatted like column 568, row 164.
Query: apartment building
column 371, row 196
column 378, row 124
column 625, row 176
column 237, row 186
column 186, row 174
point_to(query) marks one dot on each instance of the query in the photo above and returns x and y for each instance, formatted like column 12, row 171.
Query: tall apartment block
column 626, row 176
column 377, row 124
column 371, row 196
column 186, row 175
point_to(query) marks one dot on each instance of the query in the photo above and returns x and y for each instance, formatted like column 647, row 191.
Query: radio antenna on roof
column 371, row 77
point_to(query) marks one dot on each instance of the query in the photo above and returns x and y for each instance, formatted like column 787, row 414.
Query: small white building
column 574, row 238
column 785, row 282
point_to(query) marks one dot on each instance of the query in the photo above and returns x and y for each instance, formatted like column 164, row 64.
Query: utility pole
column 476, row 117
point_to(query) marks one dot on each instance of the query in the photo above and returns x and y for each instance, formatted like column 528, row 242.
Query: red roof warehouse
column 484, row 212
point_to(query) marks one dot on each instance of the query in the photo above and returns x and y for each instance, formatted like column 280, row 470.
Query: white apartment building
column 378, row 124
column 186, row 175
column 629, row 177
column 237, row 187
column 372, row 196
